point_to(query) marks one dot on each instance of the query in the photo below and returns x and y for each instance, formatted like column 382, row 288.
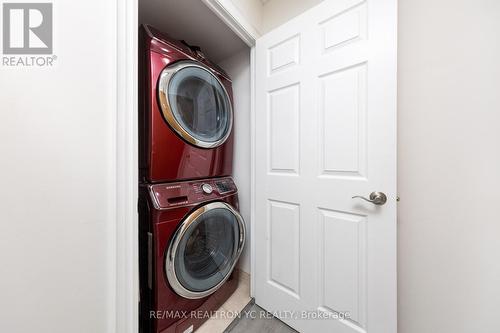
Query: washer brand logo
column 27, row 30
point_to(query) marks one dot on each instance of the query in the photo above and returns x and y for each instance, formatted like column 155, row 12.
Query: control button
column 207, row 188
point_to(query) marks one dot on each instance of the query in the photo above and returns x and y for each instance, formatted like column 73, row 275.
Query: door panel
column 284, row 229
column 341, row 28
column 325, row 119
column 342, row 117
column 284, row 55
column 343, row 263
column 283, row 132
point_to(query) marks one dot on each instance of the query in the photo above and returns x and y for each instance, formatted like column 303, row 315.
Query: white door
column 326, row 131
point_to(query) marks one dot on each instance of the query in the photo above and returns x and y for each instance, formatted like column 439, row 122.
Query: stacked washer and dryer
column 190, row 232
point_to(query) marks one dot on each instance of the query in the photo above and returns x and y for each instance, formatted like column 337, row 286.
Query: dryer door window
column 195, row 104
column 204, row 250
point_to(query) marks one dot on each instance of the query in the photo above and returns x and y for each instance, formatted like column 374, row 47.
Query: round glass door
column 195, row 104
column 204, row 250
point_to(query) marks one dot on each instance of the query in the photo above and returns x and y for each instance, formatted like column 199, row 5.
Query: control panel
column 191, row 192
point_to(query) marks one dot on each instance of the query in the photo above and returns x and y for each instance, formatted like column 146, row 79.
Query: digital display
column 223, row 187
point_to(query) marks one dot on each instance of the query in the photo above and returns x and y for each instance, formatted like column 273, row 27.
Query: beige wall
column 267, row 15
column 449, row 166
column 277, row 12
column 251, row 10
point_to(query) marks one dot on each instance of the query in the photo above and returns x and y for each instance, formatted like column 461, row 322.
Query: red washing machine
column 191, row 236
column 185, row 112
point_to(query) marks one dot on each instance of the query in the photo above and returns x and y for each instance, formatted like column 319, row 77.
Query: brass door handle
column 376, row 198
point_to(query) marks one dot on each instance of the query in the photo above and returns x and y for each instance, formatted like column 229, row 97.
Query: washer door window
column 204, row 250
column 195, row 104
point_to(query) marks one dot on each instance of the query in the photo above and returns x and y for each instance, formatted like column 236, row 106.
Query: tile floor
column 259, row 322
column 238, row 300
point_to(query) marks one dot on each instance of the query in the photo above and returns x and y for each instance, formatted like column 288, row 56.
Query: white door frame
column 124, row 240
column 123, row 249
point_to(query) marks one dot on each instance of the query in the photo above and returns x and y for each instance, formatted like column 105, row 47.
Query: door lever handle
column 376, row 198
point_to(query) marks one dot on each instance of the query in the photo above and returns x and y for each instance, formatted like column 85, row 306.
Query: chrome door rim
column 163, row 86
column 181, row 231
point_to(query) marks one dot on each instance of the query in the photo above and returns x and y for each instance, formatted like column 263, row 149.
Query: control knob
column 207, row 188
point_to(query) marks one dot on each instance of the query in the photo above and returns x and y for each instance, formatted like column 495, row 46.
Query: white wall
column 56, row 181
column 449, row 166
column 238, row 68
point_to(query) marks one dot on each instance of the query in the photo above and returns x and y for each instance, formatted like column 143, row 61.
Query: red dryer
column 185, row 112
column 191, row 238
